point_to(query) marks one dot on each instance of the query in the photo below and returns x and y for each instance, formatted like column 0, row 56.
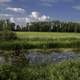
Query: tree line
column 46, row 26
column 6, row 30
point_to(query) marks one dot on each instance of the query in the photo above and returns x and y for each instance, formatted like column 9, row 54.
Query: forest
column 46, row 26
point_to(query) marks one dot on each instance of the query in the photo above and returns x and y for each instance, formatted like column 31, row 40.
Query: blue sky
column 22, row 11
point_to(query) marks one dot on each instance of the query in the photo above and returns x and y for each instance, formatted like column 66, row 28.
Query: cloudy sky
column 22, row 11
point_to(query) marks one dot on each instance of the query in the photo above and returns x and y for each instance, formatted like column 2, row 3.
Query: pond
column 36, row 57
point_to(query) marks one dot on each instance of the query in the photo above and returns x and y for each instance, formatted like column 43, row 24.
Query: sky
column 22, row 11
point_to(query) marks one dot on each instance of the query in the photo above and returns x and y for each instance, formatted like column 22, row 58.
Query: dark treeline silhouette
column 46, row 26
column 7, row 30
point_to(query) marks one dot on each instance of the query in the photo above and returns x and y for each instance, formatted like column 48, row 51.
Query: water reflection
column 35, row 57
column 39, row 57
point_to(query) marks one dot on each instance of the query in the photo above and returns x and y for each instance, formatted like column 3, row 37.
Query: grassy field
column 67, row 70
column 43, row 40
column 48, row 35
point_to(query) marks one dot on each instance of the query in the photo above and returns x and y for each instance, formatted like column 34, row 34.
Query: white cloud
column 22, row 19
column 33, row 17
column 76, row 7
column 12, row 19
column 2, row 1
column 6, row 15
column 19, row 20
column 19, row 10
column 36, row 16
column 27, row 19
column 44, row 18
column 49, row 3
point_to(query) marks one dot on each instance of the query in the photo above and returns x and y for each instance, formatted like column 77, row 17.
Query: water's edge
column 43, row 57
column 36, row 57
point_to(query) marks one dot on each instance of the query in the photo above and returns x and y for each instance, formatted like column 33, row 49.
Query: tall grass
column 67, row 70
column 32, row 40
column 40, row 44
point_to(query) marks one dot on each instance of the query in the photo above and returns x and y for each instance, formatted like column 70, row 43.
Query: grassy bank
column 67, row 70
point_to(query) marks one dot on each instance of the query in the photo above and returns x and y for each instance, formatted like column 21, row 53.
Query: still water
column 35, row 57
column 39, row 57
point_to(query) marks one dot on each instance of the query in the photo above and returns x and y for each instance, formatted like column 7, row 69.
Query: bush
column 7, row 35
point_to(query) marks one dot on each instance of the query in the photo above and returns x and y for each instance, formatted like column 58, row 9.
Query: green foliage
column 10, row 45
column 39, row 40
column 46, row 35
column 0, row 35
column 46, row 26
column 52, row 26
column 5, row 32
column 35, row 73
column 9, row 72
column 8, row 35
column 67, row 70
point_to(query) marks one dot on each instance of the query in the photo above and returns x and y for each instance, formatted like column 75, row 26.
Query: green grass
column 43, row 40
column 46, row 35
column 67, row 70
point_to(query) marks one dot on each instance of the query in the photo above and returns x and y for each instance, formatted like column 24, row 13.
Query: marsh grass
column 66, row 70
column 24, row 44
column 42, row 40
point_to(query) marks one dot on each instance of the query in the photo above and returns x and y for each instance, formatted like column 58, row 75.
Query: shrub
column 9, row 72
column 7, row 35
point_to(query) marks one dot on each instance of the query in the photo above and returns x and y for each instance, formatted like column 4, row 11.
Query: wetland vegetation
column 38, row 55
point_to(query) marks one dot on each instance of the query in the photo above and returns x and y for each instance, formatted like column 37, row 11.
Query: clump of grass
column 67, row 70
